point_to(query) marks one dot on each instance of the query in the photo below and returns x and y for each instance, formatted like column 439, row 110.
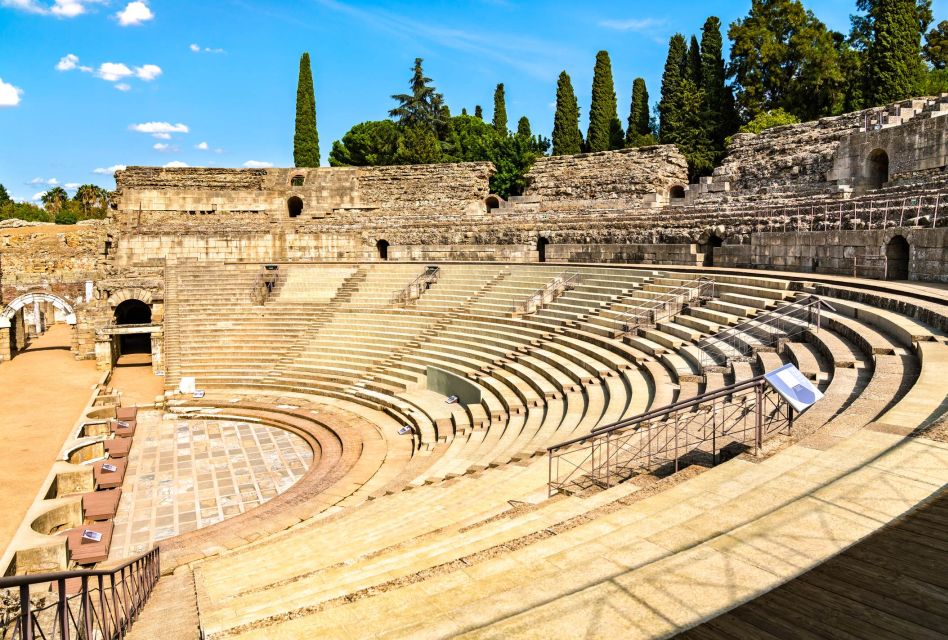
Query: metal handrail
column 645, row 313
column 264, row 284
column 428, row 277
column 106, row 608
column 565, row 281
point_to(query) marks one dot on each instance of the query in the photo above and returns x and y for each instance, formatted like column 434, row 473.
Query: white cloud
column 112, row 71
column 159, row 128
column 59, row 8
column 68, row 62
column 23, row 5
column 109, row 170
column 51, row 181
column 72, row 185
column 9, row 95
column 37, row 196
column 257, row 164
column 201, row 145
column 148, row 72
column 121, row 86
column 163, row 146
column 633, row 24
column 67, row 8
column 176, row 164
column 134, row 14
column 161, row 136
column 195, row 48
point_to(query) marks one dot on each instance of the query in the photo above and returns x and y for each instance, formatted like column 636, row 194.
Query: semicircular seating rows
column 449, row 529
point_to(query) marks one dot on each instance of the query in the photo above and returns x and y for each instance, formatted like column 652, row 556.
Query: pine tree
column 719, row 101
column 567, row 139
column 523, row 127
column 605, row 130
column 500, row 109
column 424, row 105
column 671, row 86
column 936, row 45
column 639, row 124
column 694, row 62
column 306, row 138
column 463, row 111
column 895, row 68
column 4, row 196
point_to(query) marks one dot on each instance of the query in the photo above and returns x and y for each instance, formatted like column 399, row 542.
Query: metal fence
column 663, row 305
column 86, row 605
column 693, row 430
column 413, row 290
column 546, row 294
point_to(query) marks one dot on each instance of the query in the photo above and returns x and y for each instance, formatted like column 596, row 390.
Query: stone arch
column 493, row 201
column 897, row 252
column 29, row 298
column 382, row 247
column 541, row 248
column 877, row 168
column 133, row 311
column 120, row 296
column 676, row 192
column 294, row 206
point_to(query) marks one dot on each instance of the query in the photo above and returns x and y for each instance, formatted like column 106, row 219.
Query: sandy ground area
column 133, row 377
column 42, row 392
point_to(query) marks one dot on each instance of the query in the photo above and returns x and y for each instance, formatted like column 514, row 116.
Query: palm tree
column 54, row 199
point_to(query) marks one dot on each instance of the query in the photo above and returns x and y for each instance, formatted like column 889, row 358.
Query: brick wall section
column 628, row 175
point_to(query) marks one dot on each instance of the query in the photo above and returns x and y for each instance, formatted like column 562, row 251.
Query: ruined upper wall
column 627, row 175
column 148, row 195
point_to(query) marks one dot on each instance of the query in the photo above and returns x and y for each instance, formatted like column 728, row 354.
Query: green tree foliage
column 936, row 45
column 567, row 138
column 671, row 87
column 523, row 127
column 782, row 56
column 768, row 120
column 605, row 130
column 639, row 132
column 694, row 61
column 500, row 109
column 478, row 112
column 4, row 196
column 373, row 143
column 423, row 105
column 90, row 202
column 306, row 137
column 55, row 199
column 92, row 198
column 894, row 66
column 719, row 99
column 418, row 144
column 512, row 157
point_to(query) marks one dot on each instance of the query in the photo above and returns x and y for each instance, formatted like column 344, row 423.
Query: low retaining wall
column 683, row 254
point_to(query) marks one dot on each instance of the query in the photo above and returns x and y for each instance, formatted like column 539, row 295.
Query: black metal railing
column 546, row 294
column 413, row 290
column 265, row 284
column 698, row 428
column 663, row 305
column 98, row 604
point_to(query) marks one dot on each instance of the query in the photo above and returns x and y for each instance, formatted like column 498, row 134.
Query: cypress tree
column 567, row 139
column 306, row 138
column 478, row 112
column 719, row 101
column 463, row 111
column 638, row 114
column 671, row 85
column 500, row 109
column 523, row 127
column 605, row 131
column 895, row 67
column 694, row 61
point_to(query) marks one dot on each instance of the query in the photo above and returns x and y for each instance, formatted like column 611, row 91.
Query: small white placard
column 451, row 400
column 404, row 430
column 92, row 536
column 198, row 394
column 109, row 468
column 121, row 424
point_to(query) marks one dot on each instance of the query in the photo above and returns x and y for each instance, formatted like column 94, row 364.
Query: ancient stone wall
column 683, row 254
column 628, row 175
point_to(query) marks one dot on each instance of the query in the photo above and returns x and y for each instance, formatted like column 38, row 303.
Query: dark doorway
column 382, row 247
column 877, row 169
column 541, row 248
column 713, row 243
column 294, row 206
column 897, row 258
column 492, row 202
column 677, row 192
column 134, row 312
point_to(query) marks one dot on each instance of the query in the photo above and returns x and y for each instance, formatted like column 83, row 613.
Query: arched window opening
column 541, row 248
column 492, row 202
column 897, row 253
column 382, row 247
column 294, row 206
column 677, row 192
column 297, row 181
column 877, row 169
column 134, row 312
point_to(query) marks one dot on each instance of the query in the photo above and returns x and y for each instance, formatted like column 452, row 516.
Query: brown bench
column 124, row 432
column 126, row 413
column 82, row 551
column 101, row 505
column 118, row 447
column 109, row 479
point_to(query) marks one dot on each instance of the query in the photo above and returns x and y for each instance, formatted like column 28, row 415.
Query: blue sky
column 100, row 83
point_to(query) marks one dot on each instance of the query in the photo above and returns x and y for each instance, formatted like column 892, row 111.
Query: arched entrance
column 541, row 248
column 13, row 329
column 492, row 202
column 897, row 253
column 294, row 206
column 677, row 192
column 714, row 241
column 133, row 312
column 382, row 247
column 877, row 168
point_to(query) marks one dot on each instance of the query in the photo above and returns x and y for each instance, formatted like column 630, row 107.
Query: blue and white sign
column 793, row 386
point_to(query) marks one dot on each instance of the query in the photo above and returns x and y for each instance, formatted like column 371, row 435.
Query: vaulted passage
column 294, row 206
column 877, row 171
column 897, row 253
column 134, row 312
column 382, row 247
